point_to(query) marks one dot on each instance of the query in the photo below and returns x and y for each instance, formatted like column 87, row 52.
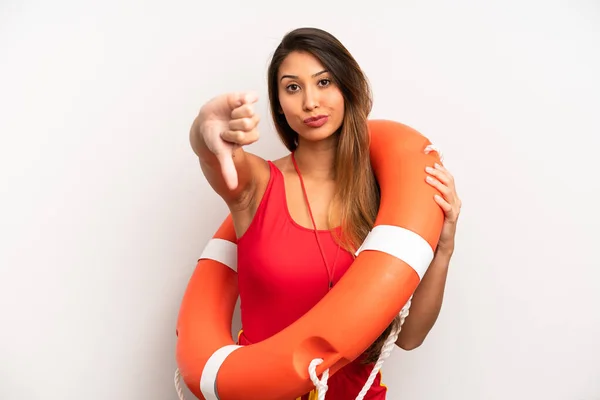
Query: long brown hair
column 357, row 194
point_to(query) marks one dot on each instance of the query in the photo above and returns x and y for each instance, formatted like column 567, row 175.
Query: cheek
column 337, row 101
column 290, row 111
column 287, row 104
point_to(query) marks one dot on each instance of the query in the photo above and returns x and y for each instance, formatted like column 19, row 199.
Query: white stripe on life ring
column 400, row 243
column 222, row 251
column 208, row 380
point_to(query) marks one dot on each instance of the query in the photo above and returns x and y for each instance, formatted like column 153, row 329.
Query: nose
column 311, row 99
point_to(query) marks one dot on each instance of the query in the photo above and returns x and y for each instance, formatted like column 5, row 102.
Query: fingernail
column 437, row 165
column 428, row 169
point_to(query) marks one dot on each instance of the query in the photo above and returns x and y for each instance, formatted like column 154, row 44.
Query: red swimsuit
column 282, row 275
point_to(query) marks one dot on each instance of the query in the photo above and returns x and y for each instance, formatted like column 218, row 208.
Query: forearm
column 426, row 303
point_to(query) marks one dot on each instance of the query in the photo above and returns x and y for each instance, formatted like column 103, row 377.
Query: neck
column 316, row 159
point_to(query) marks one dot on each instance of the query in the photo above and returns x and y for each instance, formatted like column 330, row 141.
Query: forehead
column 301, row 64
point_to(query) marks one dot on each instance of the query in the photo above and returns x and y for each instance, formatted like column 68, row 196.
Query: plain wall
column 104, row 209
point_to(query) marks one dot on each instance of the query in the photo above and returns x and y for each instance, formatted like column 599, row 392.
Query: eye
column 292, row 87
column 324, row 82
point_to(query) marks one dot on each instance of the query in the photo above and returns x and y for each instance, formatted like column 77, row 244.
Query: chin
column 314, row 135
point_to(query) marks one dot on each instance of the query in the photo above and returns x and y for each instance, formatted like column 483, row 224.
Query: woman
column 300, row 219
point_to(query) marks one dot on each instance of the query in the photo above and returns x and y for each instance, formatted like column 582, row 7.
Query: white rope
column 386, row 350
column 178, row 387
column 320, row 384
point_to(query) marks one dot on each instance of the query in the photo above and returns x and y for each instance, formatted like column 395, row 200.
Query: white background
column 104, row 209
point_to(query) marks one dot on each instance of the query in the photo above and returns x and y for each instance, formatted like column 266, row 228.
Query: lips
column 313, row 119
column 316, row 122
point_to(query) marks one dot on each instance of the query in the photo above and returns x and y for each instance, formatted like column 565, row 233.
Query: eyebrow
column 296, row 77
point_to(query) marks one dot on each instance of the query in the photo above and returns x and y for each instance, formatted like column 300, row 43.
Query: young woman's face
column 312, row 104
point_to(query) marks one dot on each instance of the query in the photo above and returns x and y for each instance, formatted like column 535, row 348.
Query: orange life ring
column 387, row 270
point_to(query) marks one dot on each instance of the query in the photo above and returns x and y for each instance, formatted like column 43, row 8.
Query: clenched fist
column 224, row 123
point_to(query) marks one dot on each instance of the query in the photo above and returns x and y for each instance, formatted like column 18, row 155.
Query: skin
column 228, row 122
